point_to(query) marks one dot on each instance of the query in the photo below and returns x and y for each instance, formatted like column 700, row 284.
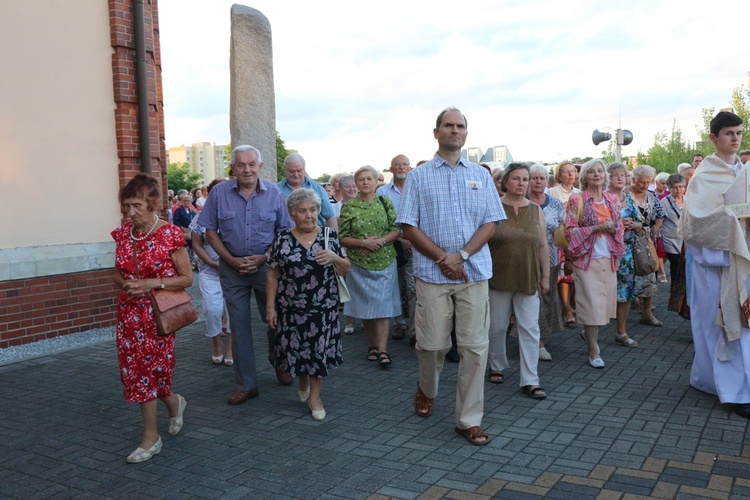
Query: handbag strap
column 326, row 233
column 674, row 206
column 385, row 208
column 135, row 258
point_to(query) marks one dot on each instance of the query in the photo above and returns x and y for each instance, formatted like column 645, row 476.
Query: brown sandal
column 422, row 404
column 496, row 377
column 474, row 435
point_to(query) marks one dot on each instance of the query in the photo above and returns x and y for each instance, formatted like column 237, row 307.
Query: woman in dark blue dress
column 303, row 298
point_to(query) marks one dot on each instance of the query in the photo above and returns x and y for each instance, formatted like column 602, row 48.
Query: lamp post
column 622, row 138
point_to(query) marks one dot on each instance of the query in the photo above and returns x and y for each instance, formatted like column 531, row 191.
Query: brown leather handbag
column 173, row 309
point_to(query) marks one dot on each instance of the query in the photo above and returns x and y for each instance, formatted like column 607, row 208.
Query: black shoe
column 413, row 340
column 743, row 410
column 452, row 356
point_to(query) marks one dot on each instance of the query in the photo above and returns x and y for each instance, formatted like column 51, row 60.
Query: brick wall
column 41, row 308
column 126, row 94
column 46, row 307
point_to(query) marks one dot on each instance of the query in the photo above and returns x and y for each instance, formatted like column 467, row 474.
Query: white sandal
column 141, row 455
column 544, row 354
column 625, row 340
column 175, row 423
column 304, row 395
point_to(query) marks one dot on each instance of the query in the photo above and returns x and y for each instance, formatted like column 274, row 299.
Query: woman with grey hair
column 686, row 170
column 565, row 176
column 672, row 242
column 349, row 191
column 302, row 301
column 594, row 231
column 368, row 229
column 652, row 215
column 661, row 185
column 631, row 221
column 550, row 313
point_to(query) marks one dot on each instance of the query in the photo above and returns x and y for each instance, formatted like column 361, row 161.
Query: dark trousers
column 238, row 289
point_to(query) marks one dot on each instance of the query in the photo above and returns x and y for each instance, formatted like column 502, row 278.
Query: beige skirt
column 596, row 293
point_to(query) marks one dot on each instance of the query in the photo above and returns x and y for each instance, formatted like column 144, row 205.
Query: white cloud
column 357, row 83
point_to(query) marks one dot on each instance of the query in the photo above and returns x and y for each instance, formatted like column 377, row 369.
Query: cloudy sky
column 358, row 82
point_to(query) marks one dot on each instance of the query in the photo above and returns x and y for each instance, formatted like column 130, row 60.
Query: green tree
column 281, row 154
column 609, row 154
column 740, row 101
column 323, row 178
column 228, row 170
column 667, row 151
column 179, row 177
column 704, row 146
column 741, row 105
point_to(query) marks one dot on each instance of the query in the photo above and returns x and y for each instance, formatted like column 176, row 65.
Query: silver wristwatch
column 464, row 255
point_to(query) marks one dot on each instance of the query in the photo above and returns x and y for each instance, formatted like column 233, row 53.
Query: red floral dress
column 146, row 359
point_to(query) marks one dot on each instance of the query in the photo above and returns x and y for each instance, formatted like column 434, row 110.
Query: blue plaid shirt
column 449, row 205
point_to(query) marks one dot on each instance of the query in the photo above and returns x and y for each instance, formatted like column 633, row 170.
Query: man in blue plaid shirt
column 448, row 212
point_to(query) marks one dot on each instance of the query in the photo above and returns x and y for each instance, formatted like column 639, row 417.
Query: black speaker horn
column 598, row 137
column 627, row 137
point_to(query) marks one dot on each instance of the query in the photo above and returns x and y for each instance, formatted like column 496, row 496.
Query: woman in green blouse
column 367, row 228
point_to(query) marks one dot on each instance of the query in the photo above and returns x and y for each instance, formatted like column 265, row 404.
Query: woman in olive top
column 367, row 228
column 520, row 273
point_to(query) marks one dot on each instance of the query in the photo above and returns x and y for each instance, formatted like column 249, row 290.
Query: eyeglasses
column 400, row 164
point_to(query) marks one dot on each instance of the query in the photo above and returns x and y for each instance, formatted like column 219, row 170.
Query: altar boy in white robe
column 718, row 242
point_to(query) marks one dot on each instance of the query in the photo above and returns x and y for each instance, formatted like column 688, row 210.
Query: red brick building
column 70, row 137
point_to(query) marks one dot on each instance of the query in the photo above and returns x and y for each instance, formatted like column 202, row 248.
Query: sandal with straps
column 496, row 377
column 624, row 340
column 384, row 360
column 474, row 435
column 372, row 353
column 535, row 393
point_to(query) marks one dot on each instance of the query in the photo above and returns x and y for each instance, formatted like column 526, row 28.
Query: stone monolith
column 252, row 113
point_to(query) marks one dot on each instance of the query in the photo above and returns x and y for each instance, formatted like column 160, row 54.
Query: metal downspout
column 144, row 128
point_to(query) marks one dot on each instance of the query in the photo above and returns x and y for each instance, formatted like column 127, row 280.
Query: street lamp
column 622, row 138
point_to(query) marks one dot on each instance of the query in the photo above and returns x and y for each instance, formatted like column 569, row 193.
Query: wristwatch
column 464, row 255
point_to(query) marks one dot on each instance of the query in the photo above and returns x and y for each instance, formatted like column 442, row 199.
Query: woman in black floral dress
column 303, row 298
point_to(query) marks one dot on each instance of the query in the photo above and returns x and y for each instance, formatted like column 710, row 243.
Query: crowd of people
column 450, row 254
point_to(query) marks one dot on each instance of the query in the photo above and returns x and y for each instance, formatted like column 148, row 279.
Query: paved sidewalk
column 634, row 428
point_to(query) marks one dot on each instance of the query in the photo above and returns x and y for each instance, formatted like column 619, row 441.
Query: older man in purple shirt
column 242, row 218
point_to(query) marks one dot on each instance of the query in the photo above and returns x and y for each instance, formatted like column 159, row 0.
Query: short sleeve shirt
column 391, row 191
column 246, row 226
column 361, row 219
column 449, row 204
column 326, row 210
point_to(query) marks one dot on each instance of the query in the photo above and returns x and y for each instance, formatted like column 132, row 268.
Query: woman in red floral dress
column 157, row 249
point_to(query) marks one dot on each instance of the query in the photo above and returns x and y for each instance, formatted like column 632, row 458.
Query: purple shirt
column 245, row 226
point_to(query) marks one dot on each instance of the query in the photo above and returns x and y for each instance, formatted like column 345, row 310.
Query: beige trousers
column 438, row 306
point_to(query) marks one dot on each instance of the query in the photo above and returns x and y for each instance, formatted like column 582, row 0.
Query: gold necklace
column 299, row 237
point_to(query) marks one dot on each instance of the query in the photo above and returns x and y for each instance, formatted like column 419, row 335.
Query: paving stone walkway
column 634, row 429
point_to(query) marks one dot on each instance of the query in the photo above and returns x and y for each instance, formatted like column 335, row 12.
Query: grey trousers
column 238, row 290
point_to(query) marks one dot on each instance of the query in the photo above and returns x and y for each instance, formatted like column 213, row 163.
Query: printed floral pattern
column 626, row 271
column 146, row 359
column 307, row 302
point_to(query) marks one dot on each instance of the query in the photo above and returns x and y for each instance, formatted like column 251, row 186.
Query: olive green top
column 515, row 251
column 361, row 219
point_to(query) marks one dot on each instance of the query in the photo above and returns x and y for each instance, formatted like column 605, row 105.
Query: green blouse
column 360, row 219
